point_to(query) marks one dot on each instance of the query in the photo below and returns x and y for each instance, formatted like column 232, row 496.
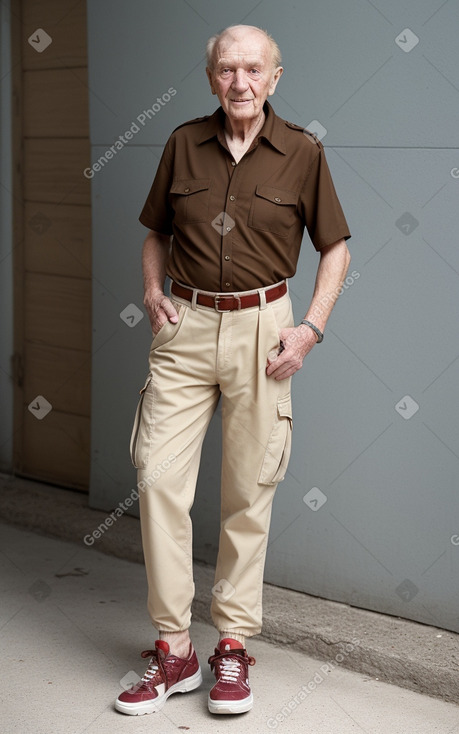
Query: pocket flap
column 147, row 382
column 278, row 447
column 187, row 186
column 136, row 428
column 284, row 407
column 277, row 196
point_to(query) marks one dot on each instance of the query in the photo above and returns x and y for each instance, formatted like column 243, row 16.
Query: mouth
column 241, row 101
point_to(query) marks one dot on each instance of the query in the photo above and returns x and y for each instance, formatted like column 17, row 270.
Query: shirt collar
column 272, row 130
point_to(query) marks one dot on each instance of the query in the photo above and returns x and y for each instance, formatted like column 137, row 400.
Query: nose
column 239, row 83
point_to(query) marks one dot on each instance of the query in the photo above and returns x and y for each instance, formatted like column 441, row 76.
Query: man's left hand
column 297, row 341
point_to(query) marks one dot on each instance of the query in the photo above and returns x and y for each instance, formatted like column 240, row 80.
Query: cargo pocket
column 277, row 452
column 142, row 428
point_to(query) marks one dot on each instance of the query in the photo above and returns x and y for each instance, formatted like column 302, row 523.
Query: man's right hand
column 160, row 309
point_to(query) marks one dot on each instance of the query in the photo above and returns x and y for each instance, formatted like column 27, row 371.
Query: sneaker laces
column 228, row 665
column 155, row 668
column 229, row 669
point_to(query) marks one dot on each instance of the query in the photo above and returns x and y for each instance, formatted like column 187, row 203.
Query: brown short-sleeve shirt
column 239, row 226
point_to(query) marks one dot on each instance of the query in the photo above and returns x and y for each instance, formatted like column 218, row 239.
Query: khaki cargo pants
column 205, row 355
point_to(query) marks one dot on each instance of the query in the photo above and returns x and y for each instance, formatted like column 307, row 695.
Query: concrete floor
column 73, row 622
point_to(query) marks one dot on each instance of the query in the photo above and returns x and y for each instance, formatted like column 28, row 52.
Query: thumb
column 170, row 311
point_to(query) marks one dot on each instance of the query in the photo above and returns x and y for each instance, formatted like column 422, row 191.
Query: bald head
column 238, row 33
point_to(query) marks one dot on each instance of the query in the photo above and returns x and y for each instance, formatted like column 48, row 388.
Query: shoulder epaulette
column 192, row 122
column 311, row 136
column 294, row 127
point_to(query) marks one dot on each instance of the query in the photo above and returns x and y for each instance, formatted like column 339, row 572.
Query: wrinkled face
column 243, row 75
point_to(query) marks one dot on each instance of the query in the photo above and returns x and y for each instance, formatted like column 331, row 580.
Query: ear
column 275, row 78
column 209, row 76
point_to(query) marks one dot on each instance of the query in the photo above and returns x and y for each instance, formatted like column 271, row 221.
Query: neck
column 242, row 130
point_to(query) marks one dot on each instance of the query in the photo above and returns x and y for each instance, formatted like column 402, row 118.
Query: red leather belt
column 228, row 301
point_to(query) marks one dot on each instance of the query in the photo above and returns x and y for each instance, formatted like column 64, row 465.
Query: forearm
column 154, row 259
column 333, row 266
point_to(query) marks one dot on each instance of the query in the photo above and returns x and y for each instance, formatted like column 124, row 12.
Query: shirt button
column 276, row 198
column 228, row 229
column 232, row 198
column 186, row 190
column 227, row 257
column 227, row 284
column 233, row 163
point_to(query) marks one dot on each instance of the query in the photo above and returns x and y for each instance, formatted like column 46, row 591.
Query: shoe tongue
column 163, row 645
column 229, row 644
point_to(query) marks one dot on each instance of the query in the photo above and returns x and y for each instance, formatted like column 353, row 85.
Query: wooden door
column 52, row 242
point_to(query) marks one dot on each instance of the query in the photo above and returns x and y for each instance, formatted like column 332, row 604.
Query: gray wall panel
column 376, row 405
column 342, row 67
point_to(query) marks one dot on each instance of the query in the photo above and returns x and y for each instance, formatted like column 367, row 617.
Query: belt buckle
column 224, row 296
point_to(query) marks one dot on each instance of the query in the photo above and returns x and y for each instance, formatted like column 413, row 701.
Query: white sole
column 152, row 707
column 230, row 707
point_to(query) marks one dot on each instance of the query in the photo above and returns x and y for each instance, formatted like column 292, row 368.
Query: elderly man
column 226, row 213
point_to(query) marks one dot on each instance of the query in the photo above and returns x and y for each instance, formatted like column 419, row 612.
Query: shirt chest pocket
column 190, row 200
column 273, row 210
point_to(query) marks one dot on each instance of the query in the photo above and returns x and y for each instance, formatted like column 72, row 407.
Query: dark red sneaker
column 166, row 674
column 231, row 694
